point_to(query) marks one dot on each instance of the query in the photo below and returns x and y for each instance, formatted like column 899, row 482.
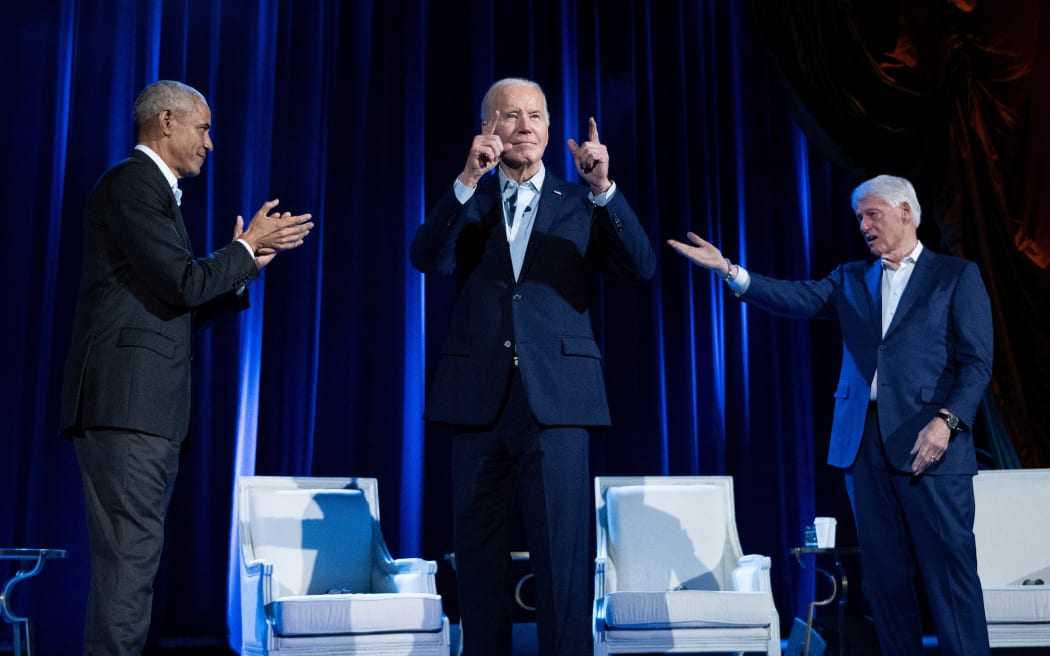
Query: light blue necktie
column 178, row 193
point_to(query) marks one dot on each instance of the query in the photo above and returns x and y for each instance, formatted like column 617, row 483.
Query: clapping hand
column 269, row 233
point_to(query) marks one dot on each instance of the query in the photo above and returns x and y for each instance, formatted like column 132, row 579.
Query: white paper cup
column 825, row 531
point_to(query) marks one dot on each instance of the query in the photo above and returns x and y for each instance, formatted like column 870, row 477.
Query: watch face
column 950, row 419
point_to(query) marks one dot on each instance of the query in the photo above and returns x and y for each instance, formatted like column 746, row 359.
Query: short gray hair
column 893, row 191
column 162, row 95
column 487, row 109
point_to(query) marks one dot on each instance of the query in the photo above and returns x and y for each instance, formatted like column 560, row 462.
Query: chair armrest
column 257, row 590
column 406, row 565
column 258, row 568
column 599, row 577
column 752, row 574
column 407, row 575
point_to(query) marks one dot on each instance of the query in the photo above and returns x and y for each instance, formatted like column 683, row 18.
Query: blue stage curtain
column 361, row 113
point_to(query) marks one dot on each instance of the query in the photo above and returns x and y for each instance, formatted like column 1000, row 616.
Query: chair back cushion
column 318, row 540
column 667, row 537
column 1012, row 531
column 1012, row 526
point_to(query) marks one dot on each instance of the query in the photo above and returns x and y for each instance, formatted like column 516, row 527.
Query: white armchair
column 1012, row 529
column 317, row 578
column 670, row 576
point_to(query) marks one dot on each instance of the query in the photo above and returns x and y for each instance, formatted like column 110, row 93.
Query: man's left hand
column 592, row 160
column 263, row 256
column 930, row 445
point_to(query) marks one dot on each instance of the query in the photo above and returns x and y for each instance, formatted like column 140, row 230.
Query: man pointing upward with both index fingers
column 520, row 377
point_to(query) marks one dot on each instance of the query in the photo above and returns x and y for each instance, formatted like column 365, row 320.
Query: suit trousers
column 916, row 525
column 546, row 470
column 128, row 479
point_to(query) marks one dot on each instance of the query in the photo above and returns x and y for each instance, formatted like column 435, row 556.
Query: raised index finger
column 491, row 129
column 594, row 131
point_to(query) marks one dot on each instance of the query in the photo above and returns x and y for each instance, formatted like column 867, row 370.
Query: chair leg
column 601, row 648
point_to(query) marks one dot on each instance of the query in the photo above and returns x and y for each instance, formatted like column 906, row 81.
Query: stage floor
column 524, row 645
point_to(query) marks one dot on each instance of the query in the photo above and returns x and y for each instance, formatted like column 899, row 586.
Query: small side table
column 33, row 560
column 838, row 581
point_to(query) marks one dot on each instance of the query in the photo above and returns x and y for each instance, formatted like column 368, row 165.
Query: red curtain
column 953, row 95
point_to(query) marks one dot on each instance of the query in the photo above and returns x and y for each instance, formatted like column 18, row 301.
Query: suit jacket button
column 507, row 344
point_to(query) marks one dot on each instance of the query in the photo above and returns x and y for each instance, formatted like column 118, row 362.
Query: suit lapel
column 547, row 210
column 490, row 208
column 873, row 281
column 490, row 201
column 925, row 267
column 180, row 225
column 157, row 179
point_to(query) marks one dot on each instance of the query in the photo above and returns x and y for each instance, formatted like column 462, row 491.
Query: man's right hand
column 701, row 252
column 485, row 153
column 269, row 234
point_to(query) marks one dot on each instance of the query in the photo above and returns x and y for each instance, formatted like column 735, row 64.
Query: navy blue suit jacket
column 543, row 317
column 937, row 351
column 141, row 294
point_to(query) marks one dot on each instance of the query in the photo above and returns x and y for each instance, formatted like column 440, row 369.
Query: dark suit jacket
column 937, row 351
column 543, row 317
column 141, row 292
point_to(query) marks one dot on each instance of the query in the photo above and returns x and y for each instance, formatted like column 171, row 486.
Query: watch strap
column 953, row 422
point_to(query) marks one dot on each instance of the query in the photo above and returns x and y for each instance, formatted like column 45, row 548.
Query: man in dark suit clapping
column 126, row 390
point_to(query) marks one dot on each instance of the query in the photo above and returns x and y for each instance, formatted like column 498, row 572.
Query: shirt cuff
column 742, row 281
column 602, row 199
column 463, row 192
column 251, row 251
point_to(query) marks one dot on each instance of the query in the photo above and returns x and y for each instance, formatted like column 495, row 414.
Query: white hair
column 893, row 191
column 487, row 110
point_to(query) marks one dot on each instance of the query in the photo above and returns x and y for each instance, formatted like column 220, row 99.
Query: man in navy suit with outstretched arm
column 520, row 374
column 916, row 359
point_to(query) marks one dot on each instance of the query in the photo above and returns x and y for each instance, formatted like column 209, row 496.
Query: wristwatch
column 731, row 271
column 950, row 419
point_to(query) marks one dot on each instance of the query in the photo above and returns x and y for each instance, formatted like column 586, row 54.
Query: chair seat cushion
column 357, row 613
column 686, row 609
column 1017, row 603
